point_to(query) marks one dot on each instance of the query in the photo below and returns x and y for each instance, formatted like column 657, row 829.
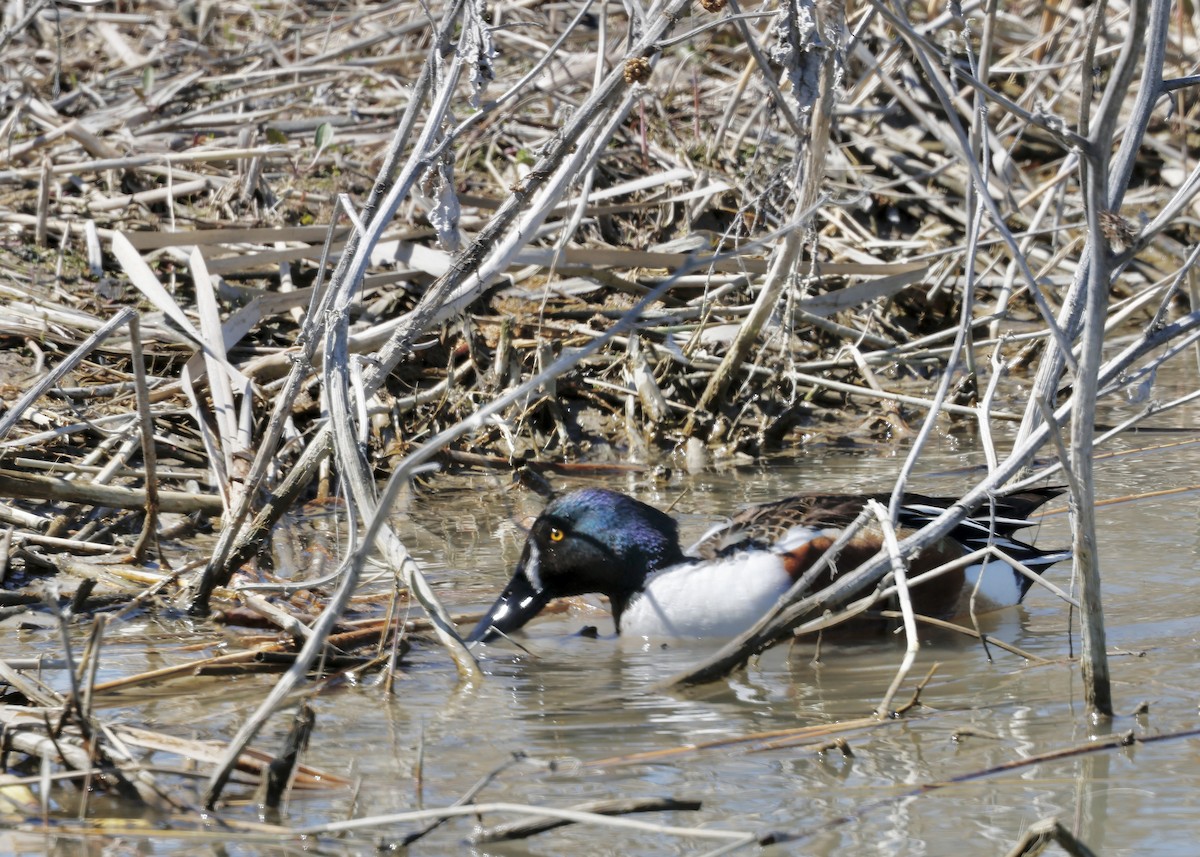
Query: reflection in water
column 581, row 698
column 1090, row 821
column 576, row 700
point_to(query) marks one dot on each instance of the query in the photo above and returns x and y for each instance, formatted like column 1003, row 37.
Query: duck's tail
column 995, row 525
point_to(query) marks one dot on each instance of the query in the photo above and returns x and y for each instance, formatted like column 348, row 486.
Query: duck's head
column 593, row 540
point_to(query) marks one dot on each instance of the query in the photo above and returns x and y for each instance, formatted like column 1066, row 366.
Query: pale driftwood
column 567, row 815
column 29, row 486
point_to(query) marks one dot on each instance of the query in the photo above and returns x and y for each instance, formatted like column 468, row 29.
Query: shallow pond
column 572, row 706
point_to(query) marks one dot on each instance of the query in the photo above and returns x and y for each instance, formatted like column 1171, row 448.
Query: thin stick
column 149, row 458
column 523, row 809
column 900, row 578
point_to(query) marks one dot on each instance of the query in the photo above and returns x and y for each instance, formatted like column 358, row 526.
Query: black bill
column 517, row 604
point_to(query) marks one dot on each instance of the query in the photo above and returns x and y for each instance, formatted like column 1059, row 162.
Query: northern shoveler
column 600, row 541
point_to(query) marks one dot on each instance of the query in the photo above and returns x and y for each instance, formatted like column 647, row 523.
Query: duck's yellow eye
column 556, row 535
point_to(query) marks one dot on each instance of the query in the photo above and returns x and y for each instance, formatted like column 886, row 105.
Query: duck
column 599, row 541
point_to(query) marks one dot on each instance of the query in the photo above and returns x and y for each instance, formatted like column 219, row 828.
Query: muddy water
column 571, row 701
column 978, row 715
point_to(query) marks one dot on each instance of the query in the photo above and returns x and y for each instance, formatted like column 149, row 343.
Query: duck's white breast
column 999, row 587
column 709, row 599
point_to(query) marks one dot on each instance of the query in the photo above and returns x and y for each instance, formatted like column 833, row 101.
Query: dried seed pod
column 637, row 70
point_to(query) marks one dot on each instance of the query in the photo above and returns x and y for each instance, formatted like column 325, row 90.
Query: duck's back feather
column 765, row 526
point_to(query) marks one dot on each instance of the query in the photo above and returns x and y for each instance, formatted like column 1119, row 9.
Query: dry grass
column 824, row 236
